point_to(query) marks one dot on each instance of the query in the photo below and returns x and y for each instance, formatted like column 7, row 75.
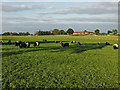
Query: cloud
column 63, row 20
column 91, row 19
column 51, row 7
column 33, row 27
column 19, row 19
column 60, row 0
column 14, row 8
column 94, row 8
column 100, row 15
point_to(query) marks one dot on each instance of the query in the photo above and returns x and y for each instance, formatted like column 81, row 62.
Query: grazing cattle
column 9, row 42
column 17, row 43
column 44, row 40
column 65, row 44
column 99, row 43
column 24, row 45
column 73, row 42
column 36, row 44
column 56, row 41
column 27, row 44
column 107, row 43
column 79, row 43
column 61, row 42
column 115, row 46
column 1, row 42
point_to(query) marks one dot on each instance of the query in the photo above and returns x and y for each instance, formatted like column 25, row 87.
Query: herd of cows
column 27, row 44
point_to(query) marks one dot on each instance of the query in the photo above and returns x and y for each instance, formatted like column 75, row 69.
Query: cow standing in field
column 27, row 44
column 56, row 41
column 73, row 42
column 115, row 46
column 36, row 44
column 1, row 42
column 24, row 45
column 79, row 43
column 98, row 43
column 107, row 43
column 61, row 42
column 17, row 43
column 65, row 44
column 9, row 42
column 44, row 40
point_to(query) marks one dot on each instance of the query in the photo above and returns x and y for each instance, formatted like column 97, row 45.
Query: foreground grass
column 51, row 66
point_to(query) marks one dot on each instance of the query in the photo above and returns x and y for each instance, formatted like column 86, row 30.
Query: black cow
column 24, row 45
column 1, row 42
column 115, row 46
column 65, row 44
column 9, row 42
column 27, row 44
column 99, row 43
column 61, row 42
column 107, row 43
column 56, row 41
column 73, row 42
column 17, row 43
column 79, row 43
column 36, row 44
column 44, row 40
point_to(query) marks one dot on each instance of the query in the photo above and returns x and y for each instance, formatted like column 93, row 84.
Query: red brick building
column 84, row 32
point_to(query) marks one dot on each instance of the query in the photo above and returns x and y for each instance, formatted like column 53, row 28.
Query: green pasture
column 52, row 66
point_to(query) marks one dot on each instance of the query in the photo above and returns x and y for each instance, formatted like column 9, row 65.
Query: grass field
column 50, row 65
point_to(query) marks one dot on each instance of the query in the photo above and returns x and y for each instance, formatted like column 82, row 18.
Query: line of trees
column 60, row 32
column 114, row 32
column 42, row 33
column 39, row 32
column 15, row 33
column 55, row 32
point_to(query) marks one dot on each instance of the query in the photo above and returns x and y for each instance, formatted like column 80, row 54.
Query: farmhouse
column 84, row 32
column 51, row 31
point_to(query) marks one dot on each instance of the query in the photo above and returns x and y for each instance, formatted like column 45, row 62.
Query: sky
column 45, row 16
column 60, row 0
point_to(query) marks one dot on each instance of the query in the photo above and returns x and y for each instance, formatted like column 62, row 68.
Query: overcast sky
column 80, row 16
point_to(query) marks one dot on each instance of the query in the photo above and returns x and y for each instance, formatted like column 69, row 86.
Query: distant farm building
column 51, row 31
column 84, row 32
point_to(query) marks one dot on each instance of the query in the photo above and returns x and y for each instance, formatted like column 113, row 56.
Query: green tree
column 70, row 31
column 23, row 33
column 61, row 32
column 6, row 33
column 14, row 33
column 109, row 31
column 38, row 33
column 56, row 31
column 97, row 31
column 27, row 33
column 42, row 33
column 114, row 31
column 20, row 33
column 85, row 30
